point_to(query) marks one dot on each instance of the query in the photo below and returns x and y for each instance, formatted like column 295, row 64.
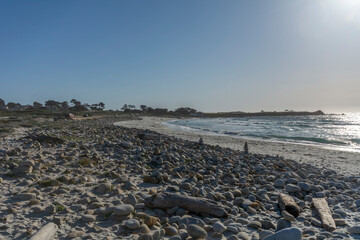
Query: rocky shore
column 94, row 180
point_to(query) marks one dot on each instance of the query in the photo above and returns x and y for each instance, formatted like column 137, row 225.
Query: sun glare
column 350, row 9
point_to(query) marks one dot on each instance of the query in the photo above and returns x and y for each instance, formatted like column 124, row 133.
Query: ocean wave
column 326, row 131
column 311, row 139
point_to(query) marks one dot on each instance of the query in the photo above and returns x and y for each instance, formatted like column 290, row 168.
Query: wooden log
column 325, row 214
column 193, row 204
column 287, row 203
column 47, row 232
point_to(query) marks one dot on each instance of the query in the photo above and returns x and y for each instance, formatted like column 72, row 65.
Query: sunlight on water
column 330, row 131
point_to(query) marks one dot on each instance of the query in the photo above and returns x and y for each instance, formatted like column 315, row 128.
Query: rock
column 233, row 237
column 287, row 216
column 192, row 220
column 24, row 196
column 103, row 188
column 316, row 222
column 185, row 186
column 88, row 218
column 243, row 236
column 282, row 223
column 145, row 237
column 144, row 229
column 196, row 231
column 170, row 231
column 24, row 168
column 254, row 224
column 130, row 199
column 265, row 233
column 266, row 224
column 355, row 230
column 304, row 186
column 279, row 183
column 150, row 221
column 130, row 186
column 219, row 227
column 286, row 234
column 34, row 202
column 132, row 224
column 175, row 238
column 339, row 222
column 291, row 188
column 123, row 210
column 357, row 203
column 150, row 179
column 75, row 234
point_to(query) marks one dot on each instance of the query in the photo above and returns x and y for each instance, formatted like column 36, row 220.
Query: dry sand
column 341, row 161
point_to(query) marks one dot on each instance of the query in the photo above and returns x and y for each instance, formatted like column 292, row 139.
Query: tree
column 51, row 104
column 160, row 111
column 185, row 111
column 125, row 107
column 2, row 103
column 37, row 105
column 64, row 105
column 11, row 105
column 131, row 107
column 94, row 106
column 75, row 102
column 143, row 108
column 101, row 105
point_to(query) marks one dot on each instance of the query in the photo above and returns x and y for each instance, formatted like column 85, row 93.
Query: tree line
column 74, row 105
column 127, row 108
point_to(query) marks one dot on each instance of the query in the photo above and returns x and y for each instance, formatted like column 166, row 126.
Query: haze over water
column 329, row 131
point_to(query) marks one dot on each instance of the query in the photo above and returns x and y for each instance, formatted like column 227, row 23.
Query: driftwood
column 47, row 232
column 325, row 215
column 287, row 203
column 193, row 204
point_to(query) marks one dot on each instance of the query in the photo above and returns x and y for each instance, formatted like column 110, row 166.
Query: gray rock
column 103, row 188
column 88, row 218
column 130, row 186
column 286, row 234
column 243, row 236
column 265, row 233
column 355, row 230
column 132, row 224
column 171, row 231
column 287, row 216
column 130, row 199
column 254, row 224
column 304, row 186
column 282, row 223
column 192, row 220
column 24, row 196
column 279, row 183
column 175, row 238
column 291, row 188
column 196, row 231
column 266, row 224
column 219, row 227
column 123, row 210
column 316, row 222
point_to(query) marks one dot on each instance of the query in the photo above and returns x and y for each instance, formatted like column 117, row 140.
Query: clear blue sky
column 210, row 55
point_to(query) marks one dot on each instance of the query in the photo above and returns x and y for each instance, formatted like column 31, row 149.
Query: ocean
column 335, row 131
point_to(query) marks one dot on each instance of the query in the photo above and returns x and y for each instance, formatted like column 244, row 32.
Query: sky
column 214, row 56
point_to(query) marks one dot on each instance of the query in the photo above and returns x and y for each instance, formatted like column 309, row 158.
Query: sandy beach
column 341, row 161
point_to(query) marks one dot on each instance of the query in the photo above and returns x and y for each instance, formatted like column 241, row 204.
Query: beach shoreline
column 344, row 162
